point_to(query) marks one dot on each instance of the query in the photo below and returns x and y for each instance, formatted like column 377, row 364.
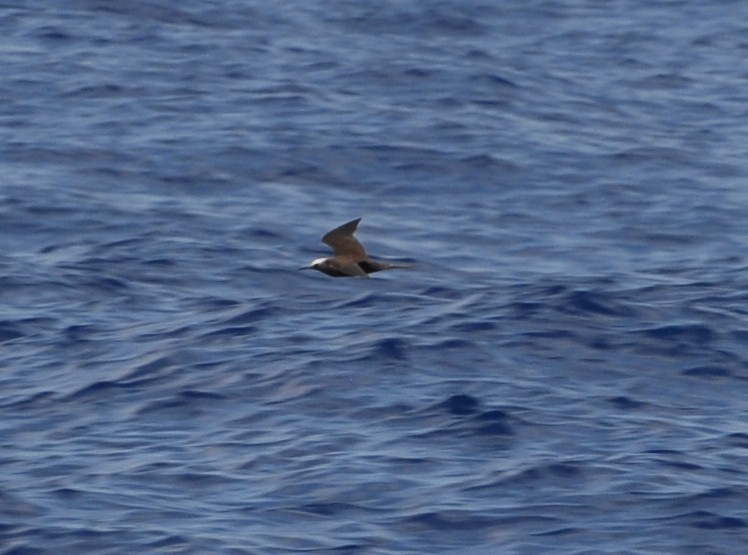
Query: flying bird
column 350, row 258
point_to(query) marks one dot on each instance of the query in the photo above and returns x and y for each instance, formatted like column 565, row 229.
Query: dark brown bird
column 350, row 258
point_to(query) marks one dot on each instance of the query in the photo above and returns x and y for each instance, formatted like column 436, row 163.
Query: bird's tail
column 378, row 265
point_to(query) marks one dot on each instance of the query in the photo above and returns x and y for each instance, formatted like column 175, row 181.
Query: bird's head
column 315, row 264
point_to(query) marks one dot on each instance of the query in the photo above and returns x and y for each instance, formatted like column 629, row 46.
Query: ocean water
column 564, row 369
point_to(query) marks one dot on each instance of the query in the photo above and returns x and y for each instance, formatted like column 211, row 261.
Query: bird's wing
column 349, row 268
column 343, row 242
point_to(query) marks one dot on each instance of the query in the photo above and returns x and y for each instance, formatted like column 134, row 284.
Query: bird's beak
column 304, row 268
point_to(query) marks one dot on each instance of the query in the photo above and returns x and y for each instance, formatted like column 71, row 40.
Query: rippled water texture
column 563, row 369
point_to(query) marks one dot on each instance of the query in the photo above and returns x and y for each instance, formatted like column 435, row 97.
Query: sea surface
column 563, row 369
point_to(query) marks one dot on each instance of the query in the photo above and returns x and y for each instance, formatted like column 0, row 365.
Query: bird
column 350, row 258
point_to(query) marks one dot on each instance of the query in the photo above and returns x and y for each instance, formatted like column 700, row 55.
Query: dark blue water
column 564, row 369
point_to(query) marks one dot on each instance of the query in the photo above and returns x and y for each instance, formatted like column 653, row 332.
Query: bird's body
column 350, row 258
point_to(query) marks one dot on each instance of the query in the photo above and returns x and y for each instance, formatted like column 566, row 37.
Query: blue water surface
column 564, row 369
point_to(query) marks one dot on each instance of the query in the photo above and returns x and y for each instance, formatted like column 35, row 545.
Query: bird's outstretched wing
column 347, row 268
column 343, row 242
